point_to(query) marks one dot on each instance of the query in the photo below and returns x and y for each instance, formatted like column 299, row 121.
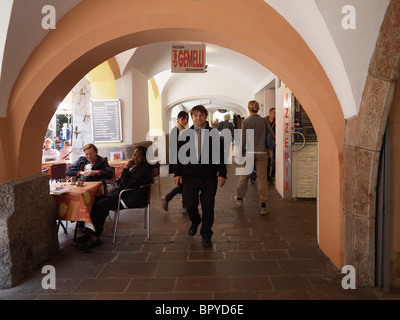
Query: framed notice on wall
column 106, row 120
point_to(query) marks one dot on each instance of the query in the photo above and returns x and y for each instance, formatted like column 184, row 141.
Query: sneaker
column 164, row 203
column 264, row 211
column 236, row 201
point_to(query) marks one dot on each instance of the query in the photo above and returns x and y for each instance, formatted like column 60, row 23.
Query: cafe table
column 75, row 203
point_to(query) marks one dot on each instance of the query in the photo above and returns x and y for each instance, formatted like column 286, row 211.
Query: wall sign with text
column 287, row 146
column 188, row 58
column 106, row 120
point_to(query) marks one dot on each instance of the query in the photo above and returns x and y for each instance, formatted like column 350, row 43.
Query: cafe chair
column 57, row 171
column 112, row 180
column 156, row 173
column 122, row 206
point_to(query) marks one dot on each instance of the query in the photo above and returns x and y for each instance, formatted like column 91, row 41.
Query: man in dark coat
column 202, row 174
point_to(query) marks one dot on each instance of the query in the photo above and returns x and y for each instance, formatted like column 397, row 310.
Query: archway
column 96, row 30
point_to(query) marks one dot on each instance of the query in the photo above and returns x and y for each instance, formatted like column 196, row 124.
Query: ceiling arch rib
column 236, row 91
column 230, row 74
column 305, row 16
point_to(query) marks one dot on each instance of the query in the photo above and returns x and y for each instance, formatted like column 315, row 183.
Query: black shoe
column 206, row 242
column 84, row 238
column 164, row 203
column 193, row 230
column 90, row 245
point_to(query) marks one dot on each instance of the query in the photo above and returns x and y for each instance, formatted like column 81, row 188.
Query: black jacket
column 101, row 164
column 132, row 178
column 202, row 170
column 173, row 141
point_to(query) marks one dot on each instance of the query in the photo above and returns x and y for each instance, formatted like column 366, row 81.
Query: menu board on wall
column 106, row 120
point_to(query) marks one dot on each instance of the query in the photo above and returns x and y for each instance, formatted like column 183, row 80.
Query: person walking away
column 182, row 120
column 260, row 127
column 200, row 175
column 226, row 124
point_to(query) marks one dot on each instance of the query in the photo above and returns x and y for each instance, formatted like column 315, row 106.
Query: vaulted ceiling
column 344, row 54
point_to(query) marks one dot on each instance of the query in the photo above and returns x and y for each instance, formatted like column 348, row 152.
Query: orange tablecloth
column 75, row 203
column 118, row 165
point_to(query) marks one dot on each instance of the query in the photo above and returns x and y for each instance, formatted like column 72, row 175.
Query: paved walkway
column 253, row 257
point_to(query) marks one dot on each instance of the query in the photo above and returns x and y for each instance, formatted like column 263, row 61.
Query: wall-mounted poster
column 106, row 120
column 116, row 155
column 188, row 58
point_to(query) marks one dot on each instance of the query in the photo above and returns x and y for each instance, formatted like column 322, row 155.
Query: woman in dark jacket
column 181, row 122
column 136, row 173
column 91, row 167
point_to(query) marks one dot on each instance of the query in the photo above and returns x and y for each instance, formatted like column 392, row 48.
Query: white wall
column 344, row 54
column 279, row 138
column 132, row 90
column 269, row 100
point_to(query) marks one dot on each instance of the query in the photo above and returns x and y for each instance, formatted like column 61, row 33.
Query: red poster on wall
column 188, row 58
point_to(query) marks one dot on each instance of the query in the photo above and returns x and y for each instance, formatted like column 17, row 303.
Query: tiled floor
column 253, row 257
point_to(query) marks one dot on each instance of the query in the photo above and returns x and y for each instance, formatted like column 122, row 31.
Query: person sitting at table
column 66, row 151
column 49, row 154
column 137, row 172
column 91, row 166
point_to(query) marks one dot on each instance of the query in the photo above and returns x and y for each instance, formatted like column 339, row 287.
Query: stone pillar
column 363, row 141
column 28, row 228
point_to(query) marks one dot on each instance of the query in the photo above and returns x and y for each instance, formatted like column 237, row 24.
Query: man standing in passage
column 260, row 127
column 202, row 176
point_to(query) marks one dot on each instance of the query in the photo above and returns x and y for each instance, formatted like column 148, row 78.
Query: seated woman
column 136, row 173
column 91, row 166
column 66, row 151
column 49, row 154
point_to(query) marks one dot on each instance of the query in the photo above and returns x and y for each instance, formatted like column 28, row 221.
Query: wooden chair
column 57, row 171
column 112, row 180
column 122, row 206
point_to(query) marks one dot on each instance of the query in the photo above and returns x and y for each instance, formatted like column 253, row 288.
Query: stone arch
column 96, row 30
column 362, row 145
